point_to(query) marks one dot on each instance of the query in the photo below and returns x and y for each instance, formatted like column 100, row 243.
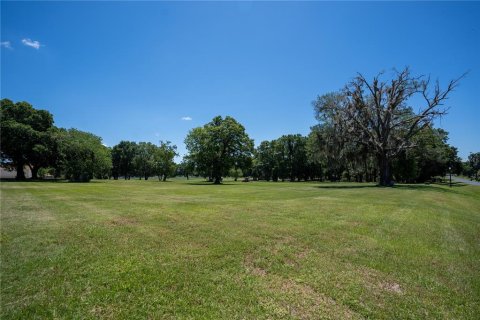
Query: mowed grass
column 257, row 250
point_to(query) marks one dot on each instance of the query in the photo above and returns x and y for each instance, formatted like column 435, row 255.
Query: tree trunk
column 146, row 176
column 217, row 180
column 20, row 172
column 34, row 172
column 164, row 178
column 385, row 174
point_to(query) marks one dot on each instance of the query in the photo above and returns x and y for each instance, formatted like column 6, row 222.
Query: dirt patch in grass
column 122, row 221
column 391, row 287
column 105, row 312
column 379, row 282
column 302, row 254
column 251, row 268
column 289, row 298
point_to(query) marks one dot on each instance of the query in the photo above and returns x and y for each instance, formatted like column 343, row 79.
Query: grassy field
column 258, row 250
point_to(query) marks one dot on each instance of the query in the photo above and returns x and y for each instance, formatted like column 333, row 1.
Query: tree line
column 29, row 138
column 143, row 160
column 367, row 131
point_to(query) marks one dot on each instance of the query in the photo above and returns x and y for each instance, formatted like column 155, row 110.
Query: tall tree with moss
column 385, row 114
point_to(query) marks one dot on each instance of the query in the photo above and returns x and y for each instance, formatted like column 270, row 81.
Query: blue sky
column 132, row 71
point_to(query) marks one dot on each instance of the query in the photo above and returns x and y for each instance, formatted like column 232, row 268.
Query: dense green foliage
column 257, row 250
column 163, row 160
column 29, row 139
column 366, row 132
column 25, row 137
column 323, row 155
column 432, row 156
column 82, row 155
column 218, row 146
column 284, row 158
column 123, row 157
column 379, row 115
column 143, row 160
column 471, row 167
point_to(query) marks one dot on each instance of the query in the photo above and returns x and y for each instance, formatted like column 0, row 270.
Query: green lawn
column 257, row 250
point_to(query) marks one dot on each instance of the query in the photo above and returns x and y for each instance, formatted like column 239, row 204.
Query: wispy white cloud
column 187, row 118
column 31, row 43
column 6, row 44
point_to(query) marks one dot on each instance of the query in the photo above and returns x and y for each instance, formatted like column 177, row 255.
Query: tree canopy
column 82, row 155
column 25, row 137
column 218, row 146
column 379, row 130
column 379, row 113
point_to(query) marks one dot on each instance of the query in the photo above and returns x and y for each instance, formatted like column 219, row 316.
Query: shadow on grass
column 206, row 183
column 51, row 181
column 340, row 186
column 436, row 187
column 35, row 180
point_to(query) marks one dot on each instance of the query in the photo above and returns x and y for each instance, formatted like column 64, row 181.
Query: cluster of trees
column 143, row 159
column 322, row 155
column 284, row 158
column 471, row 167
column 368, row 131
column 29, row 138
column 377, row 119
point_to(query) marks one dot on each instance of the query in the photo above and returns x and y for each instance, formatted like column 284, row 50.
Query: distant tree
column 102, row 168
column 144, row 160
column 291, row 156
column 326, row 147
column 186, row 168
column 474, row 162
column 82, row 155
column 265, row 160
column 116, row 155
column 164, row 164
column 315, row 157
column 235, row 173
column 431, row 156
column 243, row 164
column 378, row 113
column 123, row 155
column 26, row 137
column 216, row 146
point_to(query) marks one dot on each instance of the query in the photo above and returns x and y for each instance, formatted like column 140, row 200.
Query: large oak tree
column 217, row 146
column 384, row 115
column 26, row 137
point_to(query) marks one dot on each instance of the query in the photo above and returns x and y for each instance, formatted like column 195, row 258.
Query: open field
column 184, row 250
